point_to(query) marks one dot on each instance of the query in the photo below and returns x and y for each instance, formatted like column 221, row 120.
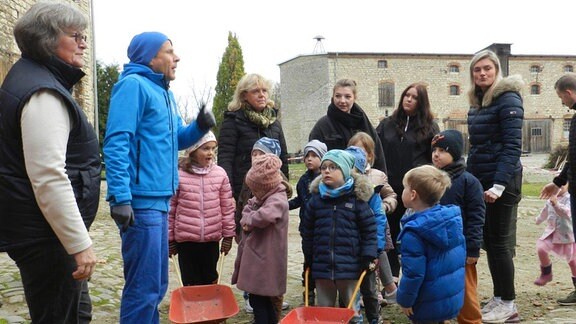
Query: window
column 536, row 131
column 566, row 127
column 568, row 68
column 535, row 69
column 454, row 90
column 382, row 64
column 535, row 89
column 453, row 68
column 386, row 94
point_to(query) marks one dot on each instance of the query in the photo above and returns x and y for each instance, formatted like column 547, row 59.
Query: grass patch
column 532, row 189
column 296, row 170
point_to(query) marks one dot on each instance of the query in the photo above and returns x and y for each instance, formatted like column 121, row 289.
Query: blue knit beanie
column 144, row 47
column 343, row 159
column 359, row 158
column 268, row 145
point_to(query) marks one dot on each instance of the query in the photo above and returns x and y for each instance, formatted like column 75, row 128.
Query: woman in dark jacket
column 406, row 137
column 250, row 116
column 345, row 118
column 495, row 128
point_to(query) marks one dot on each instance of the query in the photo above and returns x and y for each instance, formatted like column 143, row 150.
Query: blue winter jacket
column 337, row 233
column 495, row 133
column 375, row 204
column 433, row 259
column 143, row 135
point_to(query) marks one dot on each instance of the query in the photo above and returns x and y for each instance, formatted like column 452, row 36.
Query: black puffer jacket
column 337, row 127
column 495, row 132
column 235, row 141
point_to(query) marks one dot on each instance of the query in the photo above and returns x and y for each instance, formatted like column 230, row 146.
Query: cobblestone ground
column 536, row 304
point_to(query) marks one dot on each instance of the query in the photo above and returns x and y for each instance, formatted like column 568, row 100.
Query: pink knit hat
column 264, row 175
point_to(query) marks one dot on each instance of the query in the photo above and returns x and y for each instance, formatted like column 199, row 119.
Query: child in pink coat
column 558, row 237
column 201, row 214
column 261, row 264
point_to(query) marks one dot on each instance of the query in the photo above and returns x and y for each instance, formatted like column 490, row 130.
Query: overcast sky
column 271, row 32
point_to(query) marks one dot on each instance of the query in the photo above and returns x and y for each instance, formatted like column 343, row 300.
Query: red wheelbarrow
column 202, row 304
column 327, row 315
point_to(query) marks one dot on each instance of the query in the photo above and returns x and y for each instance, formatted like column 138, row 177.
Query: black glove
column 368, row 264
column 308, row 262
column 172, row 248
column 122, row 215
column 205, row 119
column 226, row 245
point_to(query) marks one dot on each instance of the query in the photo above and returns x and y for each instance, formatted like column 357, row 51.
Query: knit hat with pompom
column 264, row 175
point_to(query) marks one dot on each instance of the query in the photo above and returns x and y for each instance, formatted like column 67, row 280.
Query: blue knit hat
column 359, row 158
column 343, row 159
column 144, row 47
column 268, row 145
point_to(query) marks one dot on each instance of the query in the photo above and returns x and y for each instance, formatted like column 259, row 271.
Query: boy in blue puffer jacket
column 338, row 230
column 433, row 249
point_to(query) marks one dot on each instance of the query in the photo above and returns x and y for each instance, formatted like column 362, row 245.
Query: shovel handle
column 222, row 255
column 177, row 269
column 353, row 298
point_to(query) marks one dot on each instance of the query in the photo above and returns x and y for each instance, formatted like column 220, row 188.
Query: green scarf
column 263, row 119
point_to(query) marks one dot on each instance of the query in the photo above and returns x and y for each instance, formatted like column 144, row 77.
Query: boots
column 545, row 275
column 571, row 299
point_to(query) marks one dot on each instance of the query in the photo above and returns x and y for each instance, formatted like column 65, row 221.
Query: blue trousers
column 145, row 254
column 52, row 294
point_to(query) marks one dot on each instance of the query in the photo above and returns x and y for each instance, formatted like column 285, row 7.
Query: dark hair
column 424, row 120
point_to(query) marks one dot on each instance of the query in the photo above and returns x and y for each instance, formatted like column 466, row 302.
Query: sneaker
column 568, row 301
column 513, row 319
column 500, row 314
column 489, row 306
column 248, row 308
column 285, row 305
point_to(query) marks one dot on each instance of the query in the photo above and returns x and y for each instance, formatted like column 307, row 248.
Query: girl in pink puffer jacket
column 201, row 214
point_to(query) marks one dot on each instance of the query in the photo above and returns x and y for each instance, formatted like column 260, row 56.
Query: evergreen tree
column 107, row 75
column 229, row 73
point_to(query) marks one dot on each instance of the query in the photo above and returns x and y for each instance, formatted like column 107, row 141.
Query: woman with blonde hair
column 495, row 123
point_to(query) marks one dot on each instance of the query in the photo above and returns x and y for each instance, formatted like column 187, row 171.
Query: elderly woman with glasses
column 49, row 166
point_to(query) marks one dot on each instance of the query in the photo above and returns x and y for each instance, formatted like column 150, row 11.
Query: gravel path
column 536, row 304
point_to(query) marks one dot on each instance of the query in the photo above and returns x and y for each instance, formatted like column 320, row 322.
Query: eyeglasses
column 329, row 167
column 79, row 37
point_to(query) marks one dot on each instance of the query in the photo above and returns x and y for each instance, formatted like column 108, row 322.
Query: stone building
column 307, row 81
column 10, row 11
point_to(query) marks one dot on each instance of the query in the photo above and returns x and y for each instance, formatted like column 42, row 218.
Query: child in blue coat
column 338, row 230
column 433, row 249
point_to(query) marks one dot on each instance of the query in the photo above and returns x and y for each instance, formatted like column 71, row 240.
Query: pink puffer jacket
column 202, row 210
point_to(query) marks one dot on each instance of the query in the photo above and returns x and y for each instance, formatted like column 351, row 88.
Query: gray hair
column 474, row 90
column 38, row 30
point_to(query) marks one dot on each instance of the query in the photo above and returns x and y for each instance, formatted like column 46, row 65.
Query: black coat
column 337, row 127
column 235, row 141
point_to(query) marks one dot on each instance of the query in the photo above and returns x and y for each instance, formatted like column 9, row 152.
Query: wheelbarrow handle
column 177, row 269
column 306, row 273
column 222, row 255
column 353, row 298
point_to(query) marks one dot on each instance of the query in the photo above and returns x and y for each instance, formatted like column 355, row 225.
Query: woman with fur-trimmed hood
column 495, row 123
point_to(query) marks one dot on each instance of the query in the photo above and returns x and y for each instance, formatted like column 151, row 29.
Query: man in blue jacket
column 143, row 135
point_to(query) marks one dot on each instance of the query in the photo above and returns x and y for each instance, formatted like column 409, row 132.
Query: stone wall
column 10, row 11
column 307, row 81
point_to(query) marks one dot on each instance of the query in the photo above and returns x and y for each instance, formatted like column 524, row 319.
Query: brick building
column 307, row 81
column 10, row 11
